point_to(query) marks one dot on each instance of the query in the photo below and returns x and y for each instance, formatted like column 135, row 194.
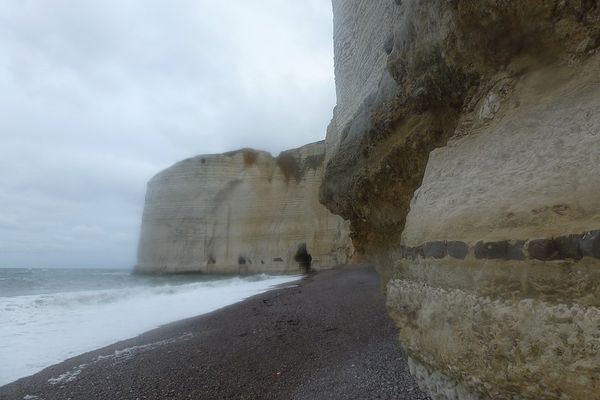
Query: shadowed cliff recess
column 465, row 152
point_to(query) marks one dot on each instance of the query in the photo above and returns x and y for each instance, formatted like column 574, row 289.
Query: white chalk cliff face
column 241, row 212
column 465, row 151
column 360, row 62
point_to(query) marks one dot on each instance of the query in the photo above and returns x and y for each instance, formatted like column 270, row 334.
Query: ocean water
column 49, row 315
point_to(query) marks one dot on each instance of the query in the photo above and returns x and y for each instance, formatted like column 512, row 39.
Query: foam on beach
column 37, row 331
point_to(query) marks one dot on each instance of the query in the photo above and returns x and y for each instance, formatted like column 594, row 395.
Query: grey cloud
column 98, row 96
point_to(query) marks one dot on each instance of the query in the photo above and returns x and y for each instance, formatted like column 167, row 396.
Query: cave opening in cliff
column 303, row 258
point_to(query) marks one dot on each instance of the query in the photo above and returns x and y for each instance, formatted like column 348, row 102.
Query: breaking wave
column 40, row 330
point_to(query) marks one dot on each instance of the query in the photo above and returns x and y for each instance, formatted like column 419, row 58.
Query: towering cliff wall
column 241, row 212
column 465, row 151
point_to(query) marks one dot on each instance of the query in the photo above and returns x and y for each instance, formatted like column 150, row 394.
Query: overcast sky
column 98, row 96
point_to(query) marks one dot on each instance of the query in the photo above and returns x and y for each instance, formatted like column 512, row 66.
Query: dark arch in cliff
column 303, row 257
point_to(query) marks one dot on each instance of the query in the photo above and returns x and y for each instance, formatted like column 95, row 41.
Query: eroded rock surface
column 241, row 212
column 465, row 151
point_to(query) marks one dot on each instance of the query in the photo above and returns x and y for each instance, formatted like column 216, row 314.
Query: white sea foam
column 37, row 331
column 116, row 357
column 67, row 376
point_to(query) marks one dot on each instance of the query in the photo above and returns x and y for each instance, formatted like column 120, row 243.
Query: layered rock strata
column 241, row 212
column 465, row 151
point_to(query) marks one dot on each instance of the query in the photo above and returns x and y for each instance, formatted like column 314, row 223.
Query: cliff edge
column 465, row 151
column 241, row 212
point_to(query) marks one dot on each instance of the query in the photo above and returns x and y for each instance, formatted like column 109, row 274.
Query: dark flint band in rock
column 566, row 247
column 435, row 249
column 590, row 244
column 457, row 249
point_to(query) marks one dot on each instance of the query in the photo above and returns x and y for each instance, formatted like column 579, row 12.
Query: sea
column 50, row 315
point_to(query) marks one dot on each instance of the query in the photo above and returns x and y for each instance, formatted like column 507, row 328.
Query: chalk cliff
column 241, row 212
column 465, row 151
